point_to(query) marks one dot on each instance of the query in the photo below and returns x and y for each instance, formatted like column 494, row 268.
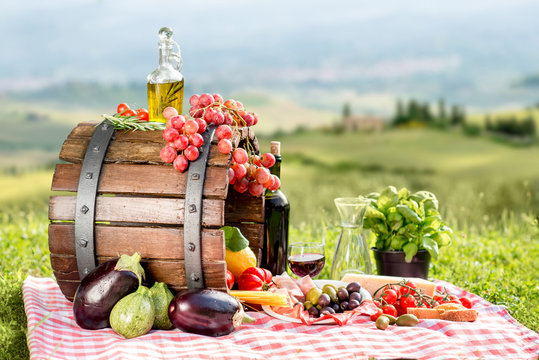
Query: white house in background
column 363, row 123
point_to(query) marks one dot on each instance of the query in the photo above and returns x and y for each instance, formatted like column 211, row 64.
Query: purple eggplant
column 101, row 289
column 206, row 312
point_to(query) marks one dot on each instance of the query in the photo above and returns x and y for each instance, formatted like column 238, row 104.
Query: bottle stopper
column 275, row 147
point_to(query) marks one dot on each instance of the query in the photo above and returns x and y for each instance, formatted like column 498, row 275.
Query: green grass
column 488, row 192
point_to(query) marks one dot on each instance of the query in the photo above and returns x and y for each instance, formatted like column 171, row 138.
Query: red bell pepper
column 255, row 279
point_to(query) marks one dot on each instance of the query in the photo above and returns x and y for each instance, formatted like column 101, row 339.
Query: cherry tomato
column 404, row 290
column 377, row 303
column 229, row 279
column 466, row 302
column 143, row 114
column 389, row 296
column 400, row 309
column 407, row 301
column 121, row 108
column 129, row 112
column 453, row 298
column 390, row 310
column 377, row 315
column 439, row 298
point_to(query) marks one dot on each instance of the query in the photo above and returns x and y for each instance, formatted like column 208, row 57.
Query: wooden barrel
column 140, row 208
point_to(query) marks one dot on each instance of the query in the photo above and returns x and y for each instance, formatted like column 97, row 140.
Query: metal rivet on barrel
column 96, row 148
column 194, row 277
column 83, row 242
column 195, row 176
column 86, row 271
column 192, row 208
column 191, row 247
column 89, row 175
column 84, row 209
column 104, row 127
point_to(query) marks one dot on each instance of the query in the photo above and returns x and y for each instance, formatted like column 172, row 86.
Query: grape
column 205, row 100
column 181, row 142
column 231, row 176
column 342, row 294
column 201, row 125
column 218, row 118
column 168, row 154
column 240, row 156
column 324, row 300
column 267, row 160
column 239, row 170
column 223, row 132
column 177, row 122
column 355, row 296
column 208, row 115
column 218, row 98
column 224, row 146
column 262, row 175
column 228, row 119
column 241, row 185
column 191, row 153
column 180, row 163
column 169, row 112
column 231, row 104
column 170, row 134
column 249, row 119
column 354, row 286
column 269, row 184
column 196, row 140
column 251, row 170
column 239, row 104
column 196, row 111
column 352, row 304
column 256, row 160
column 193, row 100
column 256, row 119
column 255, row 188
column 190, row 127
column 276, row 183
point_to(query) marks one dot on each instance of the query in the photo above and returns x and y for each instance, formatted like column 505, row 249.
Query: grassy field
column 488, row 192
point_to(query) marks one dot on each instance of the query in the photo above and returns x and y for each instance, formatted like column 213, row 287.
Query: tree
column 489, row 126
column 346, row 111
column 442, row 115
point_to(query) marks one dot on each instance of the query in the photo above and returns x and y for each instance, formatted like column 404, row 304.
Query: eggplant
column 102, row 288
column 206, row 312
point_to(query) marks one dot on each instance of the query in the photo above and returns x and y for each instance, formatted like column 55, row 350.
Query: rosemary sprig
column 132, row 123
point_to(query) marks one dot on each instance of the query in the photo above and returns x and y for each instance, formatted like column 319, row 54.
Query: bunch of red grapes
column 248, row 172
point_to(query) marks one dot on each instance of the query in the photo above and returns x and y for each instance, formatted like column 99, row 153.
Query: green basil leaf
column 430, row 204
column 234, row 239
column 432, row 222
column 403, row 194
column 397, row 242
column 430, row 245
column 388, row 198
column 409, row 214
column 394, row 219
column 410, row 250
column 373, row 196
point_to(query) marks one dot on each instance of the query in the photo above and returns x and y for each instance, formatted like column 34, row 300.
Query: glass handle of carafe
column 177, row 57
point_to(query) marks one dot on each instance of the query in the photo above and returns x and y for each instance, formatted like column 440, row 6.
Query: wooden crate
column 140, row 208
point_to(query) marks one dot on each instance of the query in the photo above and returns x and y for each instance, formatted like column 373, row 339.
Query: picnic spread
column 54, row 334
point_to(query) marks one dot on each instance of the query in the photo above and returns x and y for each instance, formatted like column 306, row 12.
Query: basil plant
column 406, row 222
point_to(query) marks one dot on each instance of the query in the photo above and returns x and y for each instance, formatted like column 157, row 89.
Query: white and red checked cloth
column 53, row 334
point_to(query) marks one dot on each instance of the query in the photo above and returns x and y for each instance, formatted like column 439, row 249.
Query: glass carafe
column 352, row 253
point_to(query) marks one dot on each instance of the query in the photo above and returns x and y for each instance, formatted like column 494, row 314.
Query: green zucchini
column 134, row 314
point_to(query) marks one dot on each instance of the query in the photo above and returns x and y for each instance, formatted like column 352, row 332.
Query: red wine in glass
column 306, row 264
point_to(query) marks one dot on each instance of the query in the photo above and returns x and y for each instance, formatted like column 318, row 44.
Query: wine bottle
column 277, row 213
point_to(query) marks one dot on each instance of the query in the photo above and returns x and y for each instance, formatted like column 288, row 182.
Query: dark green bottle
column 277, row 213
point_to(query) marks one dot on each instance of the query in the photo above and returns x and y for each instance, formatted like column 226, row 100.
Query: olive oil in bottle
column 165, row 84
column 277, row 213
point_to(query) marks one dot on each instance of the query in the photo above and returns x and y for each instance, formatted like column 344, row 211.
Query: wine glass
column 306, row 258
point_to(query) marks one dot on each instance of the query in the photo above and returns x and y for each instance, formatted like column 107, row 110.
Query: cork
column 275, row 147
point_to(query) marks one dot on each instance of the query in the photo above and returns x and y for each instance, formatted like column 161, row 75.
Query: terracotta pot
column 392, row 263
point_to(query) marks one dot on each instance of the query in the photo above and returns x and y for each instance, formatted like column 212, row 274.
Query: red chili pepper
column 256, row 279
column 229, row 279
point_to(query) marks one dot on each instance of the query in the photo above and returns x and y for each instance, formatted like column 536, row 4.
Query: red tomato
column 143, row 114
column 404, row 290
column 389, row 296
column 400, row 309
column 377, row 303
column 129, row 112
column 121, row 108
column 377, row 315
column 408, row 301
column 466, row 302
column 229, row 279
column 390, row 310
column 254, row 278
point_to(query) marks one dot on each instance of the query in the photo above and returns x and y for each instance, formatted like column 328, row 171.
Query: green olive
column 313, row 295
column 307, row 305
column 332, row 293
column 392, row 319
column 382, row 322
column 407, row 320
column 329, row 286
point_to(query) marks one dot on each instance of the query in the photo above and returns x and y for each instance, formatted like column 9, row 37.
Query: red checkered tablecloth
column 53, row 334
